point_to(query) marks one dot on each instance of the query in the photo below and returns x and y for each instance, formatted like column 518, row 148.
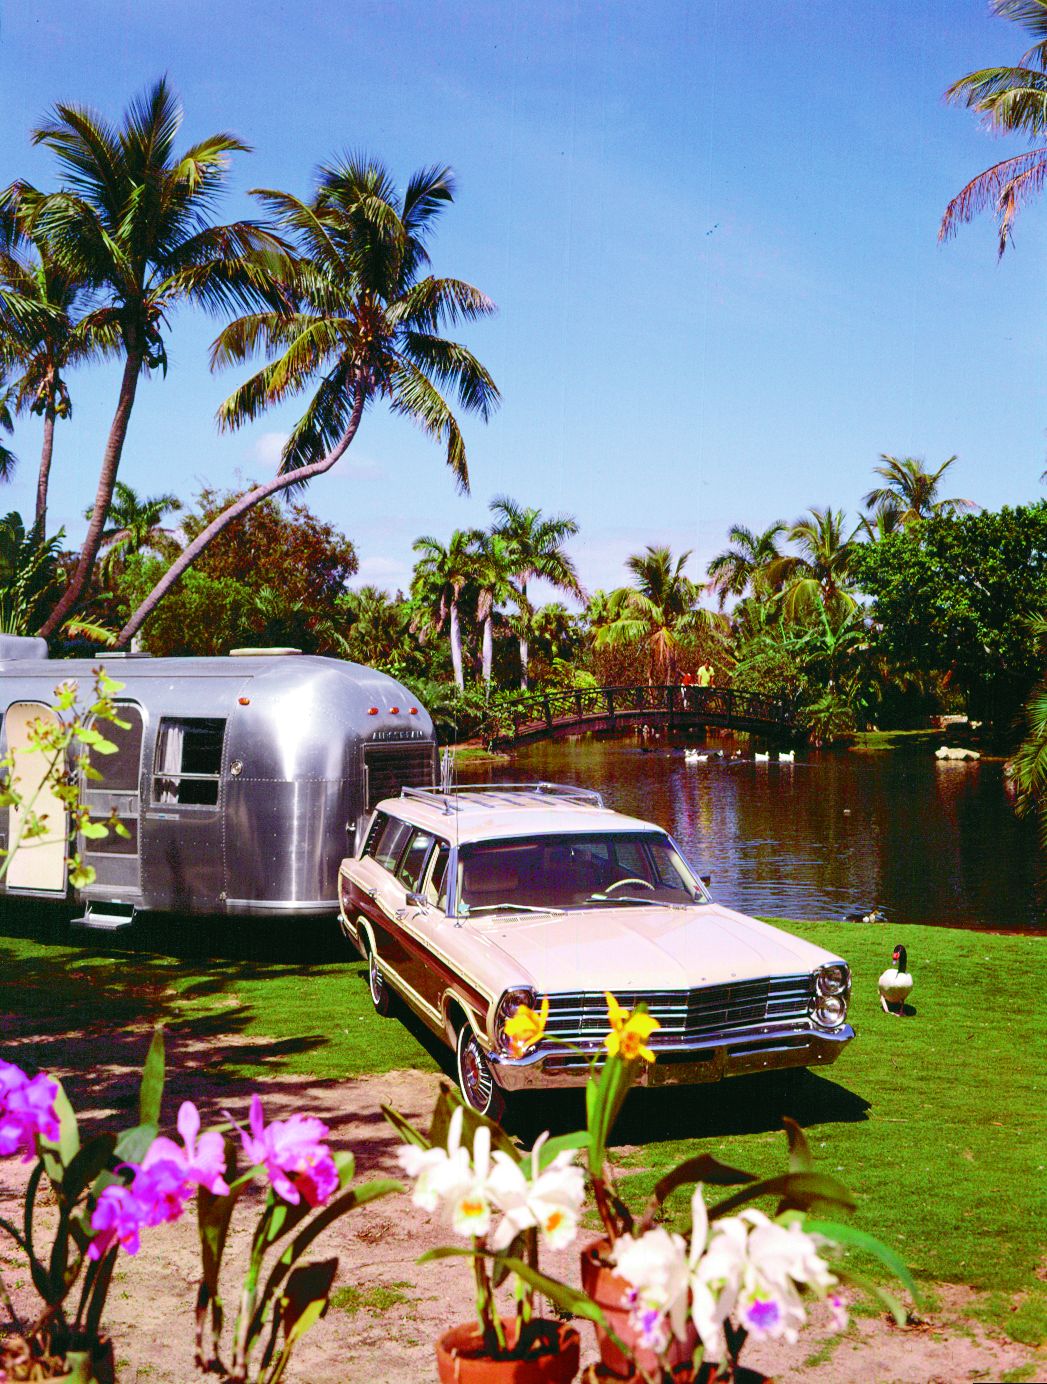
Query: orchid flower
column 550, row 1199
column 292, row 1151
column 27, row 1110
column 656, row 1267
column 117, row 1219
column 202, row 1160
column 455, row 1175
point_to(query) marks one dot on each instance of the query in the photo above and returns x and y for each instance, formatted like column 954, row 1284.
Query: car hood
column 638, row 948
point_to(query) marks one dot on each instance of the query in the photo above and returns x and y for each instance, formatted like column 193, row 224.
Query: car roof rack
column 453, row 799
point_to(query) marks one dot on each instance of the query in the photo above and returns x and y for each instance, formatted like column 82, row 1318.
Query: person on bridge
column 706, row 673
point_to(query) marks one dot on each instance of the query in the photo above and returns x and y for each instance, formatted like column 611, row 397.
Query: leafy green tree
column 376, row 629
column 43, row 343
column 133, row 222
column 8, row 460
column 956, row 595
column 536, row 547
column 440, row 576
column 1028, row 767
column 277, row 578
column 134, row 524
column 910, row 492
column 744, row 568
column 659, row 613
column 1010, row 100
column 821, row 571
column 363, row 325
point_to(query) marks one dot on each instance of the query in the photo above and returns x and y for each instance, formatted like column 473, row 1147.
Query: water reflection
column 833, row 832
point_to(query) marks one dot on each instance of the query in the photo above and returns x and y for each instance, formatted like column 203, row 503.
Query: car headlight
column 833, row 980
column 507, row 1007
column 832, row 990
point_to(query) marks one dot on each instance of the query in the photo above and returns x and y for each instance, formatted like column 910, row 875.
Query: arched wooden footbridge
column 545, row 715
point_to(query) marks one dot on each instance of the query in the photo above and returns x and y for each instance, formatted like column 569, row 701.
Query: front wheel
column 478, row 1086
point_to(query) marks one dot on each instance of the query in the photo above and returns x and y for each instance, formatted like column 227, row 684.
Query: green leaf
column 92, row 1157
column 56, row 1157
column 133, row 1143
column 571, row 1300
column 860, row 1239
column 874, row 1290
column 406, row 1130
column 800, row 1190
column 703, row 1168
column 152, row 1089
column 560, row 1144
column 94, row 831
column 213, row 1216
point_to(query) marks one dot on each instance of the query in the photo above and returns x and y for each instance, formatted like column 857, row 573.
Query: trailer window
column 188, row 760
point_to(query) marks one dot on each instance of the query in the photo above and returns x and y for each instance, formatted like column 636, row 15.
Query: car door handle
column 371, row 893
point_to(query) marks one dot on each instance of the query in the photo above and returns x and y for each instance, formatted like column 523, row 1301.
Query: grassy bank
column 938, row 1120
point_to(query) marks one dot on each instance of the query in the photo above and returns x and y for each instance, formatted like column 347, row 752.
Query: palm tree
column 492, row 575
column 536, row 550
column 744, row 567
column 911, row 491
column 133, row 224
column 134, row 524
column 440, row 576
column 1010, row 100
column 8, row 460
column 659, row 610
column 820, row 571
column 364, row 325
column 42, row 344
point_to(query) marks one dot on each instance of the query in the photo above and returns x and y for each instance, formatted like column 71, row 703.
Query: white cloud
column 266, row 448
column 383, row 572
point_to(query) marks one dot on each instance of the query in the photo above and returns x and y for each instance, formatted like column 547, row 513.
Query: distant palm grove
column 920, row 603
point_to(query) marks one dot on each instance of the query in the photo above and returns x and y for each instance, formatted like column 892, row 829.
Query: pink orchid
column 162, row 1190
column 298, row 1162
column 27, row 1110
column 117, row 1219
column 202, row 1160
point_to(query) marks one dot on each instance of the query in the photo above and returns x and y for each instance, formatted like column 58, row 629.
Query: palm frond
column 416, row 397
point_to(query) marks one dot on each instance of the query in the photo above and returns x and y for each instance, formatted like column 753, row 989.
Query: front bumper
column 687, row 1062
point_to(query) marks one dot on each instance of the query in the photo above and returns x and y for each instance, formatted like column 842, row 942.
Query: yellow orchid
column 526, row 1027
column 629, row 1032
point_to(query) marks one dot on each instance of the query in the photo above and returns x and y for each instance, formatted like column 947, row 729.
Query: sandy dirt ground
column 150, row 1312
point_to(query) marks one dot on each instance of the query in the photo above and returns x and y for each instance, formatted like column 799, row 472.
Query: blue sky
column 709, row 226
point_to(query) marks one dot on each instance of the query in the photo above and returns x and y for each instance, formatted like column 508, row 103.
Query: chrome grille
column 688, row 1014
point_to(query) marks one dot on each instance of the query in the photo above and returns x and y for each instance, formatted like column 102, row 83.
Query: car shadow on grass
column 740, row 1105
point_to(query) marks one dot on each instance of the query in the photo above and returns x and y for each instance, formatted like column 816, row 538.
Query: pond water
column 832, row 833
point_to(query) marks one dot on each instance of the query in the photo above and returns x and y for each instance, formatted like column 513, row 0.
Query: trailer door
column 116, row 858
column 38, row 864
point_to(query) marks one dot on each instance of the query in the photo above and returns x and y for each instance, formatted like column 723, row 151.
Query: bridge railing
column 568, row 706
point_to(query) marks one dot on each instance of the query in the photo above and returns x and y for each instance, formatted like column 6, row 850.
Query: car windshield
column 557, row 873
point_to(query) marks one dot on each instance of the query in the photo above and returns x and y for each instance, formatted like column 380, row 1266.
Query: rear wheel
column 381, row 995
column 478, row 1086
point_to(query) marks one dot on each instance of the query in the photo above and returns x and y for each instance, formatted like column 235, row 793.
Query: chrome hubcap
column 374, row 978
column 477, row 1082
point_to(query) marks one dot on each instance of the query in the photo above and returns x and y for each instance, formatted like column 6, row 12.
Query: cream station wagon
column 469, row 902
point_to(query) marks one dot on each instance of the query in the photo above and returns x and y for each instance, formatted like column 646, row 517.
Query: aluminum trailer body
column 242, row 781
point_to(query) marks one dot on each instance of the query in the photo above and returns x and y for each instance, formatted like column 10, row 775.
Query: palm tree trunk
column 253, row 497
column 45, row 467
column 488, row 651
column 524, row 650
column 456, row 647
column 103, row 496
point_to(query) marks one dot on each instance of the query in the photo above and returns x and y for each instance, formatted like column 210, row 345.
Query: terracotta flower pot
column 460, row 1358
column 609, row 1292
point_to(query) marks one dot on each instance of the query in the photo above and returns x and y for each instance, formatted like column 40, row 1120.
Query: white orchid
column 550, row 1198
column 655, row 1265
column 454, row 1176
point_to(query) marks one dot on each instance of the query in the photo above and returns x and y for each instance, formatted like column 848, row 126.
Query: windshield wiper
column 512, row 908
column 631, row 898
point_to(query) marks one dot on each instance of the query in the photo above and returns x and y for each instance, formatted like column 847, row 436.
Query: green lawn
column 938, row 1121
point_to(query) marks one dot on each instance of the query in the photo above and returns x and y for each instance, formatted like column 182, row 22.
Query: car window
column 389, row 846
column 412, row 861
column 379, row 824
column 436, row 885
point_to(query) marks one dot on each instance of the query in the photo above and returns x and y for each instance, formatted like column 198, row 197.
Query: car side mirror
column 418, row 901
column 706, row 880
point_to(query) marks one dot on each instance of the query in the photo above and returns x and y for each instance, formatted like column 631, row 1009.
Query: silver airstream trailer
column 242, row 781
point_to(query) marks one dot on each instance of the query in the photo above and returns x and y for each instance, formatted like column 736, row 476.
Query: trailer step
column 107, row 916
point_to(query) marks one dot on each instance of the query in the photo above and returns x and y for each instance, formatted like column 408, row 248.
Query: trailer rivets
column 236, row 768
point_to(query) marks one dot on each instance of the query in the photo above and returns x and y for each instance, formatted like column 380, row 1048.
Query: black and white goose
column 895, row 984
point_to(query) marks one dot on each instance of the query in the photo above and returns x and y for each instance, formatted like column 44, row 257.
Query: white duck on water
column 895, row 984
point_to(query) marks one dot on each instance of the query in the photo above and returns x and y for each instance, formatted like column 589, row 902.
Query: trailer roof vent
column 277, row 652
